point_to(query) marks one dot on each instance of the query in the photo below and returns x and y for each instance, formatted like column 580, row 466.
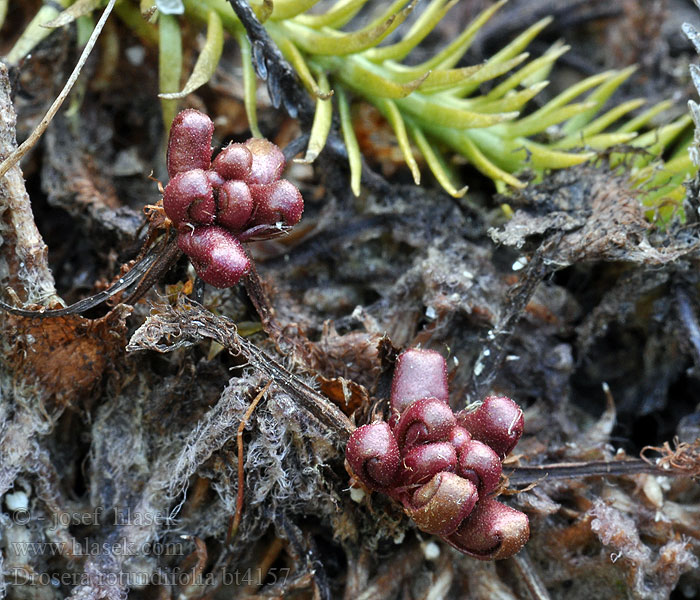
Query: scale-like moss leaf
column 322, row 121
column 249, row 84
column 170, row 64
column 368, row 79
column 208, row 59
column 298, row 62
column 337, row 16
column 330, row 42
column 286, row 9
column 436, row 163
column 425, row 23
column 599, row 96
column 441, row 113
column 509, row 51
column 78, row 9
column 392, row 114
column 353, row 148
column 643, row 119
column 34, row 33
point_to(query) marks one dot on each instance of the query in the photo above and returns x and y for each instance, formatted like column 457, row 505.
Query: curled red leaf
column 492, row 531
column 189, row 145
column 217, row 256
column 440, row 505
column 498, row 422
column 373, row 455
column 418, row 374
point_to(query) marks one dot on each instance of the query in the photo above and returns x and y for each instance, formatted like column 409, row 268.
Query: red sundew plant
column 216, row 205
column 442, row 467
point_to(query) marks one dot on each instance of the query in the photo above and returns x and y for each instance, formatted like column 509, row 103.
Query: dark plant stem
column 529, row 475
column 494, row 349
column 282, row 83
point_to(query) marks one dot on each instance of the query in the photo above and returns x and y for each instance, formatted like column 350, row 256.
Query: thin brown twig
column 577, row 470
column 526, row 570
column 268, row 559
column 233, row 528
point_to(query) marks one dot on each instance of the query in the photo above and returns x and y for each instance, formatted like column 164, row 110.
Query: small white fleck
column 486, row 352
column 664, row 482
column 431, row 550
column 520, row 263
column 512, row 357
column 467, row 274
column 170, row 7
column 135, row 55
column 430, row 312
column 17, row 501
column 357, row 494
column 614, row 557
column 455, row 360
column 491, row 335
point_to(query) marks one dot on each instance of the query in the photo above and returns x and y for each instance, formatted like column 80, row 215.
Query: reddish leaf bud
column 189, row 146
column 459, row 437
column 423, row 462
column 426, row 420
column 235, row 205
column 441, row 505
column 418, row 374
column 481, row 465
column 277, row 202
column 189, row 198
column 217, row 256
column 373, row 455
column 233, row 162
column 498, row 422
column 268, row 161
column 493, row 530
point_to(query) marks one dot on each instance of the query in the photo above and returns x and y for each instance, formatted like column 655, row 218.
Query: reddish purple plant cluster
column 443, row 467
column 218, row 204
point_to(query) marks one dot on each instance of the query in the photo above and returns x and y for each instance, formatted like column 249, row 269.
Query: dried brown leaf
column 67, row 355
